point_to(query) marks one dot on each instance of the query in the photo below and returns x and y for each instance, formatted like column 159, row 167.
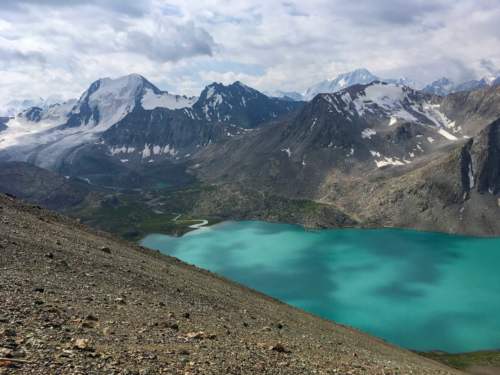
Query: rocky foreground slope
column 76, row 301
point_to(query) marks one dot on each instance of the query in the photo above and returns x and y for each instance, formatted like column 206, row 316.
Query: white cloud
column 59, row 47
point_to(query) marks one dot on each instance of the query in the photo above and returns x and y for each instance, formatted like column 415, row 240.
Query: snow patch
column 150, row 101
column 471, row 176
column 288, row 152
column 367, row 133
column 388, row 161
column 447, row 135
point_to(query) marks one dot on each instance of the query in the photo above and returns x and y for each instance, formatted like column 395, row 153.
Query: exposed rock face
column 473, row 110
column 240, row 105
column 3, row 123
column 486, row 155
column 380, row 157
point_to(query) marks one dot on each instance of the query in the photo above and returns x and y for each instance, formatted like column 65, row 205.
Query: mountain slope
column 442, row 87
column 472, row 110
column 76, row 299
column 130, row 119
column 239, row 104
column 357, row 129
column 445, row 86
column 383, row 155
column 41, row 186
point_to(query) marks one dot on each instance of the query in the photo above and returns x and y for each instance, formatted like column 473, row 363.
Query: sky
column 56, row 48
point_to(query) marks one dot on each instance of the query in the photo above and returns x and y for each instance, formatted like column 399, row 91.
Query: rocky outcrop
column 486, row 154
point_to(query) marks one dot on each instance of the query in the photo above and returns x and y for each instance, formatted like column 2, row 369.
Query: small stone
column 279, row 348
column 120, row 301
column 92, row 318
column 6, row 353
column 172, row 325
column 8, row 332
column 200, row 335
column 39, row 290
column 82, row 344
column 49, row 255
column 87, row 325
column 105, row 249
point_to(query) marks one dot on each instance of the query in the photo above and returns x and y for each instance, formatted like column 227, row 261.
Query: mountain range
column 373, row 154
column 445, row 86
column 442, row 86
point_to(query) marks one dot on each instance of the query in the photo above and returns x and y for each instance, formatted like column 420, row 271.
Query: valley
column 370, row 155
column 164, row 170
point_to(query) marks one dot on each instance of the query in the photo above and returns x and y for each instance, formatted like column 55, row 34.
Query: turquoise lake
column 422, row 291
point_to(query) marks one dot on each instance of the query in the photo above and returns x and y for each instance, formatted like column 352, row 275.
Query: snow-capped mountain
column 445, row 86
column 441, row 87
column 239, row 104
column 131, row 114
column 47, row 134
column 358, row 76
column 387, row 123
column 107, row 101
column 220, row 113
column 14, row 107
column 474, row 84
column 363, row 128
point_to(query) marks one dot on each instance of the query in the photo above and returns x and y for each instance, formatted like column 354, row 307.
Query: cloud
column 171, row 42
column 130, row 7
column 489, row 66
column 389, row 13
column 62, row 46
column 9, row 57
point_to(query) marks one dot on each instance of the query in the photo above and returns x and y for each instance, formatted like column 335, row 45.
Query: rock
column 6, row 352
column 105, row 249
column 120, row 301
column 171, row 325
column 82, row 344
column 39, row 290
column 107, row 331
column 87, row 325
column 49, row 255
column 200, row 335
column 279, row 348
column 8, row 332
column 92, row 318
